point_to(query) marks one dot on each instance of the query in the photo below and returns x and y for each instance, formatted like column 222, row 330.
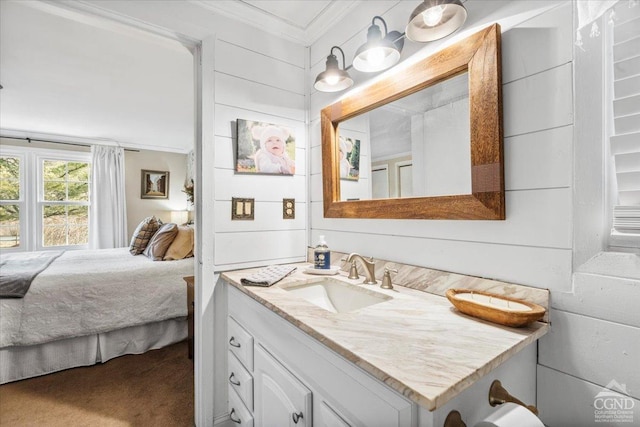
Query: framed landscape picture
column 265, row 148
column 154, row 184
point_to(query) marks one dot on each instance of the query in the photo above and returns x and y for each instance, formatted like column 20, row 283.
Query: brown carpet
column 150, row 389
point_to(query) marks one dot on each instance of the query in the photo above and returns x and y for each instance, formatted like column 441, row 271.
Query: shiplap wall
column 269, row 86
column 594, row 337
column 533, row 245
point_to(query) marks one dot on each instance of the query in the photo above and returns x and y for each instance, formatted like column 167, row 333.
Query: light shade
column 179, row 217
column 435, row 19
column 333, row 79
column 379, row 52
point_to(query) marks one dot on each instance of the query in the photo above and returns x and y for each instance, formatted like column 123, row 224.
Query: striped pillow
column 144, row 232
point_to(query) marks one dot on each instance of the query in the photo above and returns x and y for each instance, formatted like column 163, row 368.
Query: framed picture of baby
column 265, row 148
column 349, row 151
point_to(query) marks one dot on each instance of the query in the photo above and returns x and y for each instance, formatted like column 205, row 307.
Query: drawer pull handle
column 232, row 381
column 233, row 343
column 296, row 417
column 238, row 420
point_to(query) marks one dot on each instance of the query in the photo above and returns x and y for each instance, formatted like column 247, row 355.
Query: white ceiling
column 301, row 21
column 69, row 75
column 63, row 77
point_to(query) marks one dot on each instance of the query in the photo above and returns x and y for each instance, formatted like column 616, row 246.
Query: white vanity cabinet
column 299, row 382
column 281, row 399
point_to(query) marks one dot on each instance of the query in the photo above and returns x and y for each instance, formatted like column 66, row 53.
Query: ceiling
column 69, row 78
column 77, row 77
column 302, row 21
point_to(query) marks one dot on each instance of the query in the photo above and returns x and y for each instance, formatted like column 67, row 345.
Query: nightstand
column 190, row 308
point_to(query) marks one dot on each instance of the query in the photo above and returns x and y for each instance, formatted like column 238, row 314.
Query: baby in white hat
column 345, row 148
column 272, row 156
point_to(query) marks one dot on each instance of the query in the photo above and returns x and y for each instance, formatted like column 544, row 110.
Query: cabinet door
column 280, row 398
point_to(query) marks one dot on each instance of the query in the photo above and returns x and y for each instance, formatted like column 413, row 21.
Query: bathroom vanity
column 399, row 357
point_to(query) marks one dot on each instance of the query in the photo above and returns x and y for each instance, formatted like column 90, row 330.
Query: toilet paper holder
column 499, row 395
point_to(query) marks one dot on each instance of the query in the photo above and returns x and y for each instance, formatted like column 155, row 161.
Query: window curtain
column 108, row 205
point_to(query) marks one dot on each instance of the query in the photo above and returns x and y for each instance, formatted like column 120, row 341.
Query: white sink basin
column 336, row 296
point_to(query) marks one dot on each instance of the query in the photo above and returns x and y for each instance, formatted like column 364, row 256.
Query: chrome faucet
column 369, row 268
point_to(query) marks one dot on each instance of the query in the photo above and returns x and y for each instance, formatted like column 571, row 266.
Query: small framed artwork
column 349, row 150
column 154, row 185
column 265, row 148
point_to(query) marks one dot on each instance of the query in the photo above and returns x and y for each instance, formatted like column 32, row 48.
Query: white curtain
column 108, row 205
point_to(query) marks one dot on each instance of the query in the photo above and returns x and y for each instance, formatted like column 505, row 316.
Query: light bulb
column 375, row 56
column 332, row 79
column 432, row 16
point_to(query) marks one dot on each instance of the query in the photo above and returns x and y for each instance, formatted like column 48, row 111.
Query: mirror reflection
column 416, row 146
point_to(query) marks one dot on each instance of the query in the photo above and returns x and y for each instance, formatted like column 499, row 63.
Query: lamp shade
column 378, row 53
column 333, row 79
column 179, row 217
column 435, row 19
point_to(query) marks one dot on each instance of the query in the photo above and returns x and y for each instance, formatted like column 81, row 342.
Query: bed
column 90, row 306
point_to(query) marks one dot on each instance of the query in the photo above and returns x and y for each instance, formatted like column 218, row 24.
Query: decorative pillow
column 161, row 241
column 182, row 246
column 144, row 232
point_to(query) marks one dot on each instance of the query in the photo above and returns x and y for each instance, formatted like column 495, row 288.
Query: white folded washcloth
column 268, row 275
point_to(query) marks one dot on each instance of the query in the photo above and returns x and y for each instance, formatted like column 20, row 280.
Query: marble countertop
column 416, row 342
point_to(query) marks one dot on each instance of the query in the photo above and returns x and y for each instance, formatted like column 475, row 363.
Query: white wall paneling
column 259, row 247
column 539, row 159
column 259, row 187
column 258, row 67
column 240, row 93
column 538, row 118
column 263, row 85
column 592, row 349
column 226, row 117
column 602, row 297
column 268, row 217
column 538, row 102
column 538, row 44
column 564, row 400
column 534, row 266
column 540, row 218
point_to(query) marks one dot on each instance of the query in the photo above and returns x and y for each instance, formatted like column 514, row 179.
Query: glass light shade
column 333, row 79
column 377, row 53
column 435, row 19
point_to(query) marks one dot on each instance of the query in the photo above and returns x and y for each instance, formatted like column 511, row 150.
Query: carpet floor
column 150, row 389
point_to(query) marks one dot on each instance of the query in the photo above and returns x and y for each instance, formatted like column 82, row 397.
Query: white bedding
column 93, row 291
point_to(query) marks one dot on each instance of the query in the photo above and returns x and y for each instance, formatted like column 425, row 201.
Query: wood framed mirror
column 479, row 56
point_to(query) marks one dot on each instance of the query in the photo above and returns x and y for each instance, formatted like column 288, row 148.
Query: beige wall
column 138, row 208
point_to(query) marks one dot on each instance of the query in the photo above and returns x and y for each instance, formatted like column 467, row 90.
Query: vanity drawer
column 238, row 413
column 240, row 380
column 240, row 342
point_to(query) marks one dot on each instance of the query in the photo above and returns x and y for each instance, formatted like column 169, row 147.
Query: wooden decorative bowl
column 495, row 308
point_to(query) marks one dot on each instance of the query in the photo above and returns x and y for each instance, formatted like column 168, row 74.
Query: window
column 623, row 88
column 44, row 199
column 64, row 205
column 11, row 200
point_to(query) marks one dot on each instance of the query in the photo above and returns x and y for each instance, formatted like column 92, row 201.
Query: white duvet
column 93, row 291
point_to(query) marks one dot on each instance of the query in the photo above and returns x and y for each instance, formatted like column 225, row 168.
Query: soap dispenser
column 322, row 255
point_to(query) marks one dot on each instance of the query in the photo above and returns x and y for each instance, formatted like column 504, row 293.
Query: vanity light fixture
column 435, row 19
column 431, row 20
column 380, row 51
column 333, row 79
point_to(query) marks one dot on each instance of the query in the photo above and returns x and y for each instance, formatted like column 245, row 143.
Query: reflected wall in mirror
column 416, row 146
column 430, row 139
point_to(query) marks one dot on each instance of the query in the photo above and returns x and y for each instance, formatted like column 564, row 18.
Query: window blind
column 625, row 141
